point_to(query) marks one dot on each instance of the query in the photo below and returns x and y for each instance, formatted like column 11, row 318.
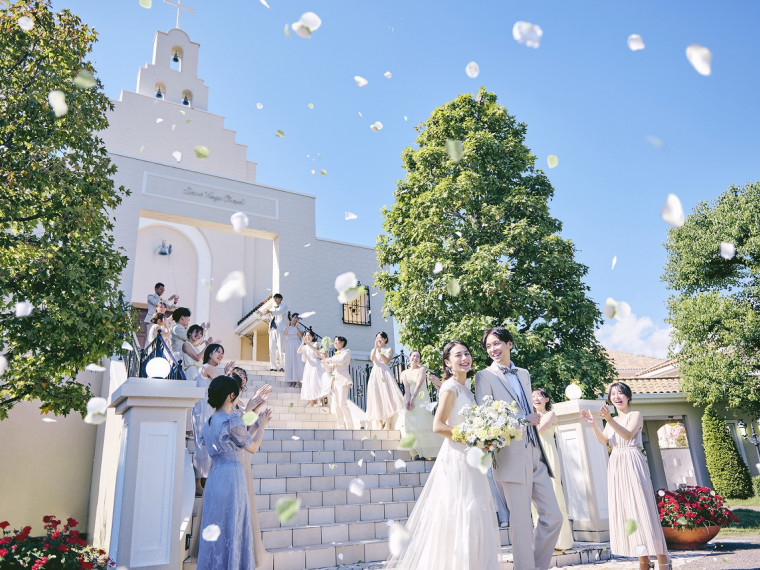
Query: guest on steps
column 314, row 384
column 339, row 366
column 293, row 362
column 384, row 398
column 418, row 419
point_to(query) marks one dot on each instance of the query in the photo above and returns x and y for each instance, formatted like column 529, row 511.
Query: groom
column 522, row 468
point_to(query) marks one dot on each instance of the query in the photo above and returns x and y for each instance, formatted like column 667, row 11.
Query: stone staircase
column 303, row 455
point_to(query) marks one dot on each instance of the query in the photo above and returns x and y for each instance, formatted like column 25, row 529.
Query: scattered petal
column 294, row 437
column 96, row 411
column 307, row 245
column 635, row 43
column 431, row 406
column 360, row 82
column 623, row 311
column 264, row 3
column 211, row 533
column 389, row 522
column 376, row 126
column 453, row 288
column 177, row 155
column 345, row 281
column 614, row 261
column 127, row 346
column 552, row 160
column 700, row 58
column 57, row 102
column 287, row 508
column 310, row 105
column 159, row 120
column 141, row 150
column 313, row 171
column 405, row 118
column 360, row 114
column 682, row 521
column 239, row 221
column 287, row 31
column 350, row 216
column 249, row 418
column 201, row 152
column 306, row 315
column 146, row 4
column 232, row 286
column 630, row 527
column 438, row 267
column 24, row 309
column 291, row 405
column 398, row 539
column 323, row 172
column 672, row 211
column 656, row 142
column 455, row 149
column 92, row 367
column 49, row 420
column 387, row 75
column 478, row 459
column 158, row 367
column 661, row 493
column 3, row 365
column 308, row 23
column 360, row 462
column 472, row 70
column 340, row 554
column 640, row 550
column 259, row 106
column 84, row 79
column 527, row 34
column 400, row 464
column 408, row 441
column 332, row 465
column 279, row 133
column 727, row 250
column 356, row 487
column 26, row 23
column 372, row 453
column 610, row 307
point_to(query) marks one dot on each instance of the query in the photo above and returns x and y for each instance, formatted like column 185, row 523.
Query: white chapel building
column 175, row 226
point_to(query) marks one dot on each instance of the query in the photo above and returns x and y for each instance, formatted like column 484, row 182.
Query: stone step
column 303, row 424
column 272, row 485
column 325, row 434
column 296, row 443
column 341, row 496
column 368, row 512
column 339, row 456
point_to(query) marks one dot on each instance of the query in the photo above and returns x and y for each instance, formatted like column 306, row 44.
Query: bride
column 453, row 523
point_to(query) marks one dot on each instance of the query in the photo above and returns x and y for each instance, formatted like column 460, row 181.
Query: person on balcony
column 157, row 297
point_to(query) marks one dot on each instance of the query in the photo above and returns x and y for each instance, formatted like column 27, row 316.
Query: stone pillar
column 584, row 471
column 147, row 507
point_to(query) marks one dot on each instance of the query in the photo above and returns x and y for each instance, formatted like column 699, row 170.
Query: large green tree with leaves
column 57, row 251
column 470, row 244
column 715, row 311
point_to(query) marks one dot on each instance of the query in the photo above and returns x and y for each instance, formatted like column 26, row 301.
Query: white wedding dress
column 453, row 523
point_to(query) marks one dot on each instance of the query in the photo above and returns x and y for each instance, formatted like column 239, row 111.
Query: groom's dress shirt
column 510, row 373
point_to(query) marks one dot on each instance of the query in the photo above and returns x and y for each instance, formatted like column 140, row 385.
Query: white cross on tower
column 179, row 7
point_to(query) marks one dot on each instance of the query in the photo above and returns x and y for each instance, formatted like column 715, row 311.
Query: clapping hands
column 587, row 417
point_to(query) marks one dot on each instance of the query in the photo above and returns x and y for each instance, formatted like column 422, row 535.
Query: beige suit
column 524, row 474
column 342, row 382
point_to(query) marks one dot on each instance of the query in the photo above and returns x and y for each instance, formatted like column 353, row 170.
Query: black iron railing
column 137, row 359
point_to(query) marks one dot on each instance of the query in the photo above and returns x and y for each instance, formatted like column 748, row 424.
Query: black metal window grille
column 358, row 311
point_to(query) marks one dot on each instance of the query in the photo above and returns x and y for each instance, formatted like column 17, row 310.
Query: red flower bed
column 691, row 507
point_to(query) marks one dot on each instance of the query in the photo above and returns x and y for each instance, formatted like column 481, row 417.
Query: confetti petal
column 49, row 420
column 239, row 221
column 635, row 43
column 323, row 172
column 308, row 23
column 356, row 487
column 614, row 261
column 438, row 267
column 307, row 314
column 287, row 509
column 127, row 346
column 400, row 464
column 24, row 309
column 672, row 211
column 295, row 437
column 623, row 311
column 656, row 142
column 159, row 120
column 610, row 307
column 201, row 152
column 158, row 367
column 727, row 250
column 700, row 58
column 398, row 539
column 211, row 533
column 84, row 79
column 249, row 418
column 552, row 160
column 57, row 102
column 408, row 441
column 177, row 156
column 360, row 81
column 478, row 459
column 455, row 149
column 387, row 75
column 95, row 368
column 453, row 288
column 287, row 31
column 360, row 462
column 472, row 70
column 279, row 133
column 3, row 365
column 527, row 34
column 431, row 406
column 630, row 527
column 232, row 286
column 310, row 105
column 96, row 411
column 264, row 3
column 25, row 23
column 345, row 281
column 376, row 126
column 259, row 106
column 350, row 216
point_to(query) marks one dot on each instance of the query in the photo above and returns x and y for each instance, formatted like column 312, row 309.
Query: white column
column 584, row 471
column 147, row 509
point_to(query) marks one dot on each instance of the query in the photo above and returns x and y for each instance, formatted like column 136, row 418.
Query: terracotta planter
column 689, row 538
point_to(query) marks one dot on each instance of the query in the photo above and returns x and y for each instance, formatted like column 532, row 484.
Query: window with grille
column 357, row 312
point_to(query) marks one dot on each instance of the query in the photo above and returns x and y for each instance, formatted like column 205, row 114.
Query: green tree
column 728, row 473
column 715, row 313
column 56, row 248
column 485, row 219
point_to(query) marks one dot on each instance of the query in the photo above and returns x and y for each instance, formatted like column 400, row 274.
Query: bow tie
column 507, row 370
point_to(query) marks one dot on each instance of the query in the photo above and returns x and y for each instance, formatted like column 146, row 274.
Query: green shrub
column 756, row 485
column 728, row 472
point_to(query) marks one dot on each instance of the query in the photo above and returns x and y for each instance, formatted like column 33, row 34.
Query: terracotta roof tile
column 654, row 385
column 627, row 362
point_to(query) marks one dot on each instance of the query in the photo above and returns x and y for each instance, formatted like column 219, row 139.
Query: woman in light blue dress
column 226, row 526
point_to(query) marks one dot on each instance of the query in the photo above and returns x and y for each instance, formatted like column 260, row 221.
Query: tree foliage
column 715, row 313
column 728, row 472
column 56, row 247
column 485, row 218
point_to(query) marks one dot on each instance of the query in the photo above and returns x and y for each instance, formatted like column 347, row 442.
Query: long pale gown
column 630, row 495
column 293, row 362
column 565, row 540
column 453, row 523
column 419, row 420
column 314, row 384
column 225, row 500
column 384, row 397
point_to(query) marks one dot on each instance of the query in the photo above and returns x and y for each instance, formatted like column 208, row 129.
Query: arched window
column 175, row 62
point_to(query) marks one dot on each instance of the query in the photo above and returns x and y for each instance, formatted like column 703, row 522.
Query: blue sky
column 584, row 95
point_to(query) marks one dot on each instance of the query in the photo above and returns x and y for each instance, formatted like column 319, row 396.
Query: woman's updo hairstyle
column 219, row 389
column 211, row 349
column 447, row 372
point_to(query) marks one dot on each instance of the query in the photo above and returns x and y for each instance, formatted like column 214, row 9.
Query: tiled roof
column 626, row 362
column 645, row 374
column 654, row 385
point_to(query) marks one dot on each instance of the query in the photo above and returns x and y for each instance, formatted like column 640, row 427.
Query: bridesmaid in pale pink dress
column 384, row 398
column 630, row 494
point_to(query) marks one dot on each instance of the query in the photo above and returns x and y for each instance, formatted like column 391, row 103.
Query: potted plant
column 691, row 516
column 62, row 547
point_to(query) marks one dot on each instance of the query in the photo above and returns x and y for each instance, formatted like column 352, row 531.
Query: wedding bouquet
column 486, row 429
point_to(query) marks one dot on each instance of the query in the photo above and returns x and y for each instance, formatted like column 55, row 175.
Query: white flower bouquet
column 486, row 429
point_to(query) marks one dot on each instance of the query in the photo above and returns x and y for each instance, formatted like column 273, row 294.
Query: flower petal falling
column 84, row 79
column 387, row 75
column 635, row 43
column 350, row 216
column 92, row 367
column 472, row 70
column 614, row 262
column 700, row 58
column 146, row 4
column 287, row 509
column 438, row 267
column 279, row 133
column 527, row 34
column 356, row 487
column 453, row 288
column 201, row 152
column 250, row 417
column 630, row 527
column 552, row 160
column 727, row 250
column 455, row 149
column 96, row 411
column 408, row 441
column 376, row 126
column 398, row 539
column 239, row 221
column 360, row 81
column 177, row 156
column 24, row 309
column 57, row 102
column 211, row 533
column 232, row 286
column 308, row 23
column 400, row 464
column 26, row 23
column 672, row 211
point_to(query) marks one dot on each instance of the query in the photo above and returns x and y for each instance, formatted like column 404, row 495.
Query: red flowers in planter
column 690, row 507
